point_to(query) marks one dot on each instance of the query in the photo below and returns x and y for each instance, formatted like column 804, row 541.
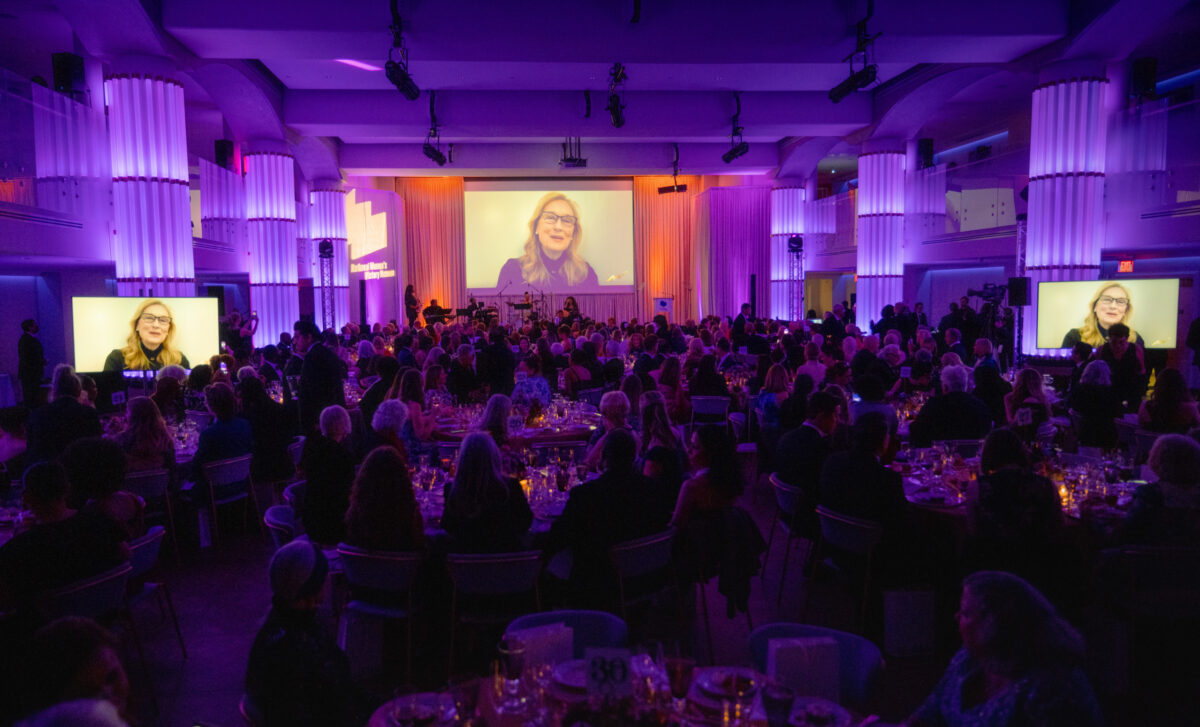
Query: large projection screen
column 104, row 324
column 513, row 245
column 1150, row 309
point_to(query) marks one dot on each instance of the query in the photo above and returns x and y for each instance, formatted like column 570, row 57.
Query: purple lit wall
column 148, row 144
column 1066, row 189
column 880, row 232
column 271, row 213
column 328, row 222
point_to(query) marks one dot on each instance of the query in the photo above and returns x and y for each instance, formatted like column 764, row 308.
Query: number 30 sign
column 608, row 672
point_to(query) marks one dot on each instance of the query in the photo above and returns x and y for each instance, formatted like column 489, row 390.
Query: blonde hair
column 1089, row 332
column 134, row 357
column 575, row 267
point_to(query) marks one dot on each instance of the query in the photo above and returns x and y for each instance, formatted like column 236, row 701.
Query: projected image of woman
column 1111, row 305
column 151, row 342
column 552, row 260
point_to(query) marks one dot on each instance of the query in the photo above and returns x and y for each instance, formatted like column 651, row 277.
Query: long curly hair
column 1089, row 332
column 382, row 502
column 575, row 267
column 134, row 357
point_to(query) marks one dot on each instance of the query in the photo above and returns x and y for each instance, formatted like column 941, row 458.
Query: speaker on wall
column 1018, row 291
column 1144, row 78
column 924, row 153
column 223, row 153
column 68, row 73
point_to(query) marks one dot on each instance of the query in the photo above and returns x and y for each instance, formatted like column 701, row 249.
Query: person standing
column 31, row 363
column 320, row 375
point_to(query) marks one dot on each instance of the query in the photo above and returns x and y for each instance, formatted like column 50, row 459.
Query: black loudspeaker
column 753, row 296
column 223, row 153
column 1142, row 81
column 924, row 153
column 218, row 292
column 1018, row 291
column 362, row 301
column 68, row 73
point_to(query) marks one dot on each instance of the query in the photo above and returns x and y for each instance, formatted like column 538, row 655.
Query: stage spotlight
column 572, row 154
column 434, row 154
column 616, row 84
column 675, row 186
column 616, row 110
column 671, row 188
column 854, row 82
column 738, row 150
column 398, row 74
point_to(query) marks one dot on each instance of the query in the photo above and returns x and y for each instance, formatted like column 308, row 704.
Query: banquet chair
column 965, row 448
column 860, row 663
column 1143, row 442
column 281, row 524
column 143, row 559
column 648, row 560
column 296, row 450
column 591, row 629
column 228, row 473
column 153, row 487
column 788, row 499
column 591, row 396
column 711, row 410
column 1126, row 434
column 293, row 497
column 381, row 589
column 853, row 535
column 490, row 582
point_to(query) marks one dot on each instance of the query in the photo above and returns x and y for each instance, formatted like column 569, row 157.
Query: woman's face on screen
column 556, row 227
column 1111, row 306
column 151, row 327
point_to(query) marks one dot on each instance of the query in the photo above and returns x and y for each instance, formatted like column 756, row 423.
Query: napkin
column 548, row 644
column 809, row 666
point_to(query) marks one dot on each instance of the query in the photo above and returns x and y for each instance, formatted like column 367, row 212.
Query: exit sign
column 1125, row 266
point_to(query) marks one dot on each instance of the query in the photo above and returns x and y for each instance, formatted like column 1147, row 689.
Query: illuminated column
column 329, row 223
column 880, row 231
column 787, row 270
column 153, row 247
column 271, row 209
column 222, row 204
column 1066, row 189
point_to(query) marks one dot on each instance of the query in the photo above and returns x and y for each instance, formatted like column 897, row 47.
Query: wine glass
column 510, row 667
column 679, row 675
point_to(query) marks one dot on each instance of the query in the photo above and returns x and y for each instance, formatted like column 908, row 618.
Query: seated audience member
column 61, row 547
column 577, row 376
column 1167, row 512
column 670, row 385
column 146, row 442
column 802, row 452
column 168, row 397
column 462, row 381
column 716, row 480
column 657, row 430
column 366, row 359
column 663, row 466
column 871, row 391
column 485, row 511
column 1021, row 663
column 956, row 414
column 495, row 421
column 386, row 367
column 296, row 673
column 273, row 427
column 1081, row 354
column 1170, row 408
column 72, row 675
column 531, row 389
column 389, row 426
column 383, row 512
column 983, row 354
column 992, row 389
column 1027, row 407
column 62, row 421
column 227, row 437
column 1127, row 363
column 1097, row 403
column 812, row 363
column 755, row 382
column 96, row 469
column 858, row 484
column 772, row 397
column 598, row 515
column 706, row 381
column 409, row 391
column 614, row 408
column 198, row 380
column 631, row 387
column 327, row 465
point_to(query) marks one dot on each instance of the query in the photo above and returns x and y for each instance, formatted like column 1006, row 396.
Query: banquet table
column 540, row 485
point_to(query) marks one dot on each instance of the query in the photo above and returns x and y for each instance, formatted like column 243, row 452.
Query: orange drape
column 434, row 240
column 662, row 233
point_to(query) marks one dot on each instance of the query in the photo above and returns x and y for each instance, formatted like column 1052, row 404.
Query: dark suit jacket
column 497, row 364
column 461, row 381
column 856, row 484
column 799, row 458
column 757, row 345
column 54, row 426
column 320, row 385
column 957, row 415
column 31, row 359
column 833, row 329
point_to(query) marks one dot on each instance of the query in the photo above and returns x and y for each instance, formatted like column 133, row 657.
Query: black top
column 54, row 426
column 957, row 415
column 273, row 426
column 31, row 358
column 116, row 360
column 499, row 527
column 1097, row 407
column 856, row 484
column 511, row 274
column 1073, row 337
column 55, row 554
column 320, row 385
column 329, row 472
column 461, row 381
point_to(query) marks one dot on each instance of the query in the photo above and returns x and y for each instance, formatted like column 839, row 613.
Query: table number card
column 608, row 672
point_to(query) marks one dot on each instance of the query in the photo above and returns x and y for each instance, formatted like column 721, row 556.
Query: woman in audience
column 631, row 387
column 657, row 430
column 146, row 442
column 670, row 385
column 695, row 351
column 383, row 512
column 1097, row 405
column 96, row 468
column 1170, row 408
column 532, row 391
column 485, row 512
column 408, row 391
column 168, row 397
column 755, row 383
column 1167, row 512
column 706, row 381
column 327, row 465
column 366, row 359
column 273, row 428
column 871, row 392
column 435, row 386
column 991, row 389
column 389, row 424
column 227, row 437
column 715, row 482
column 1021, row 663
column 495, row 421
column 1027, row 407
column 577, row 376
column 614, row 408
column 812, row 362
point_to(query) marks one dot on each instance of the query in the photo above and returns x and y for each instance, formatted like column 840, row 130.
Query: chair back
column 368, row 382
column 641, row 556
column 494, row 574
column 592, row 629
column 860, row 667
column 1126, row 432
column 296, row 450
column 94, row 597
column 201, row 418
column 787, row 497
column 293, row 496
column 379, row 570
column 150, row 485
column 710, row 406
column 849, row 533
column 228, row 471
column 591, row 396
column 281, row 523
column 143, row 551
column 1144, row 441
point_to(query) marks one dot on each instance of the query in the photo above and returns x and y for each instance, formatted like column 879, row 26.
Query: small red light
column 1125, row 266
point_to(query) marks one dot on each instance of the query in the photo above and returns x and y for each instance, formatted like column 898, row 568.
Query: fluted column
column 328, row 222
column 152, row 214
column 271, row 212
column 880, row 213
column 222, row 204
column 1066, row 188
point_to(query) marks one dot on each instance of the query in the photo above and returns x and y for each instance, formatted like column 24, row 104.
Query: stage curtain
column 434, row 240
column 662, row 234
column 732, row 241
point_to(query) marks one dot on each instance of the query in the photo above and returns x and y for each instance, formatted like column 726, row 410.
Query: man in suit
column 320, row 375
column 497, row 363
column 62, row 421
column 461, row 380
column 31, row 363
column 866, row 357
column 756, row 341
column 832, row 327
column 956, row 414
column 954, row 344
column 801, row 453
column 738, row 330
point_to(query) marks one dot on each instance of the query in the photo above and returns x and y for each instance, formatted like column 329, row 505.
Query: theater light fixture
column 616, row 85
column 737, row 146
column 432, row 152
column 675, row 186
column 396, row 67
column 572, row 154
column 864, row 76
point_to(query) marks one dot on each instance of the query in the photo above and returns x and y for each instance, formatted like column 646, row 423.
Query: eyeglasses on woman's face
column 1109, row 300
column 567, row 220
column 150, row 318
